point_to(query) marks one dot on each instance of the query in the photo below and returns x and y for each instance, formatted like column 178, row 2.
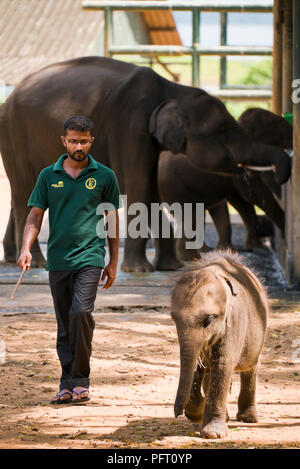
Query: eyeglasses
column 84, row 142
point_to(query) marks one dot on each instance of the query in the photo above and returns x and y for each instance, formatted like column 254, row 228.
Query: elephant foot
column 205, row 248
column 10, row 252
column 167, row 264
column 248, row 415
column 214, row 429
column 189, row 255
column 254, row 243
column 222, row 245
column 265, row 226
column 9, row 259
column 136, row 265
column 194, row 410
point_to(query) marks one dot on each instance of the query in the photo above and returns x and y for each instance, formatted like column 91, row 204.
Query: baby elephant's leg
column 195, row 407
column 206, row 384
column 246, row 402
column 215, row 415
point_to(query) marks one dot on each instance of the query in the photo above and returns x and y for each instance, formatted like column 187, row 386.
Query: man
column 72, row 189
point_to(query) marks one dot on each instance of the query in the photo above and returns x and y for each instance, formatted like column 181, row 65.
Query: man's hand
column 110, row 271
column 24, row 260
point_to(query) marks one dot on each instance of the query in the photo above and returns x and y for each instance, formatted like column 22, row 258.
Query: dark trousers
column 74, row 293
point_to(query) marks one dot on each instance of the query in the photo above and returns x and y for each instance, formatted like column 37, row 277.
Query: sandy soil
column 135, row 368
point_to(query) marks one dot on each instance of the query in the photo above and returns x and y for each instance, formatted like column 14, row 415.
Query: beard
column 78, row 155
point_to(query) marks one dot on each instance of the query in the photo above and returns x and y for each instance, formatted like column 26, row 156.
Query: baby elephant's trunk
column 188, row 362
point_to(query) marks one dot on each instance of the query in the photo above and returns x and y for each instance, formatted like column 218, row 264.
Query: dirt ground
column 134, row 377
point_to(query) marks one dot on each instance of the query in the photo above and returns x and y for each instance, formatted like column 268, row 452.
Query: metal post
column 223, row 42
column 296, row 143
column 277, row 58
column 108, row 31
column 196, row 41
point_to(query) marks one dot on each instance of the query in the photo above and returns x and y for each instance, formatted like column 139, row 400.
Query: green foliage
column 259, row 74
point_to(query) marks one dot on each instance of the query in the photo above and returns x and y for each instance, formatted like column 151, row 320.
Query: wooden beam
column 277, row 58
column 287, row 56
column 296, row 144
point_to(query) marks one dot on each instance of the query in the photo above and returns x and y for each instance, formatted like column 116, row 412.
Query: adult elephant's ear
column 167, row 127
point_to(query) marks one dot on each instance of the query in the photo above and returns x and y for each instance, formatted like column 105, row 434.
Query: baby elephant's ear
column 232, row 287
column 167, row 127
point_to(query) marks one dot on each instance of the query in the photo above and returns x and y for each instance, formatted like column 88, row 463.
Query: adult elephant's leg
column 134, row 259
column 21, row 211
column 265, row 200
column 194, row 409
column 38, row 259
column 183, row 252
column 220, row 216
column 9, row 240
column 165, row 256
column 137, row 181
column 186, row 254
column 250, row 220
column 163, row 233
column 246, row 402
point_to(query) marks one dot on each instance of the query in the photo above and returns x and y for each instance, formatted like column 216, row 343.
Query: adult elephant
column 266, row 127
column 137, row 113
column 179, row 181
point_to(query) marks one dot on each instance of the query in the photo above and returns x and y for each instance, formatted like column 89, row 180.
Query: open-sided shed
column 286, row 99
column 36, row 33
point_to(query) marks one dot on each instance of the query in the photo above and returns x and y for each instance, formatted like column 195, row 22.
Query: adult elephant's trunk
column 259, row 154
column 188, row 361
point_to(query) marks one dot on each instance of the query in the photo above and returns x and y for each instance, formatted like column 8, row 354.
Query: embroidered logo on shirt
column 90, row 183
column 59, row 184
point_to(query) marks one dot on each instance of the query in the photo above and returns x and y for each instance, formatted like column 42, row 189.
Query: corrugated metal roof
column 36, row 33
column 162, row 27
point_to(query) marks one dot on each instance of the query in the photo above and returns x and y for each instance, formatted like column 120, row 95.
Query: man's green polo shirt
column 73, row 241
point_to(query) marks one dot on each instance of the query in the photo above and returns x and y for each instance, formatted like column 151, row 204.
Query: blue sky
column 252, row 29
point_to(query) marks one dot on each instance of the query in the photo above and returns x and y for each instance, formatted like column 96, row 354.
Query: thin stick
column 18, row 282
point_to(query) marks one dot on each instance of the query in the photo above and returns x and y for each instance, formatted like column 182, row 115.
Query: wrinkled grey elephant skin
column 179, row 181
column 220, row 310
column 137, row 114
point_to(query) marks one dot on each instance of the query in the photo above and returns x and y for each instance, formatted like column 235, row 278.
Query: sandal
column 61, row 394
column 78, row 393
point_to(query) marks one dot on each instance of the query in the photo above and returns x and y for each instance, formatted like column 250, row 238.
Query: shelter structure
column 36, row 33
column 286, row 80
column 286, row 99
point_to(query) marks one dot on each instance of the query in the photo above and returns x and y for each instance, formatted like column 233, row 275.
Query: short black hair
column 81, row 123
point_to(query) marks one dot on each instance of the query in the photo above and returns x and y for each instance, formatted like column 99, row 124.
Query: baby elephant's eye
column 206, row 322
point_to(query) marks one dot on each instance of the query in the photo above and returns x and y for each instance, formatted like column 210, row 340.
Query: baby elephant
column 220, row 309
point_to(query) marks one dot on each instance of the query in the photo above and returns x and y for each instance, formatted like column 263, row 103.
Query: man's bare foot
column 80, row 394
column 62, row 397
